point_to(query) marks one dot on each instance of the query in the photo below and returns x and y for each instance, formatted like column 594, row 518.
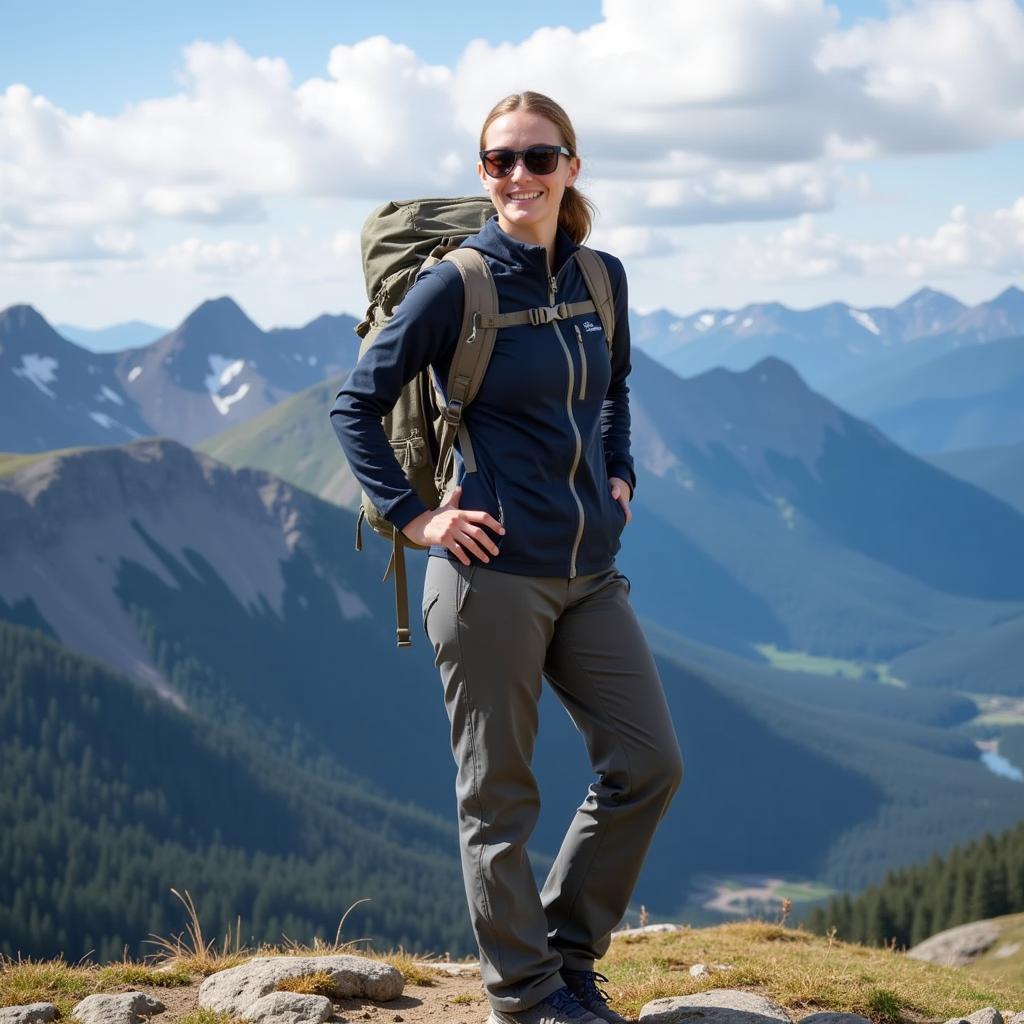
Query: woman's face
column 527, row 204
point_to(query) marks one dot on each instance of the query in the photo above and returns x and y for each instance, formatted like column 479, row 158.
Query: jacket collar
column 496, row 244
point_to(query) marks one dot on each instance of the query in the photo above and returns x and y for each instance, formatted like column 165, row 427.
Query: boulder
column 647, row 929
column 454, row 970
column 236, row 989
column 957, row 947
column 716, row 1006
column 290, row 1008
column 831, row 1017
column 28, row 1013
column 119, row 1008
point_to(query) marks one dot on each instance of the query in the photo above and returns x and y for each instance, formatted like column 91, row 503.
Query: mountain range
column 215, row 369
column 837, row 348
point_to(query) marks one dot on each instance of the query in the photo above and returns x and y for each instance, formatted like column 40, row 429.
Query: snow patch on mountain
column 865, row 320
column 223, row 403
column 223, row 372
column 103, row 419
column 135, row 371
column 111, row 395
column 38, row 370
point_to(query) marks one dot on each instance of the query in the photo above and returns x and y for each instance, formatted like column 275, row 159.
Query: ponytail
column 576, row 214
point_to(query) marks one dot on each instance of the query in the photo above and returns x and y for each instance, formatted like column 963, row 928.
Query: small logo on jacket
column 588, row 326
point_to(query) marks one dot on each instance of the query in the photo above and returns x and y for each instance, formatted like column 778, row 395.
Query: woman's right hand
column 460, row 530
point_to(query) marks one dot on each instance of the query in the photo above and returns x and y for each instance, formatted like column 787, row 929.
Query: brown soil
column 453, row 1000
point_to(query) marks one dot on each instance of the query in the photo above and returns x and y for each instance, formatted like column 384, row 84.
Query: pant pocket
column 465, row 584
column 429, row 600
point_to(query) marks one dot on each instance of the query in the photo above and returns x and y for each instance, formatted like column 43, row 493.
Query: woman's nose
column 519, row 171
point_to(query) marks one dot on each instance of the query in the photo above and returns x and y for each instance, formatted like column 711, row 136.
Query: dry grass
column 319, row 983
column 802, row 971
column 64, row 985
column 205, row 1016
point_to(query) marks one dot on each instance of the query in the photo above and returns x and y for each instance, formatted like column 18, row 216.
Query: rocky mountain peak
column 218, row 318
column 24, row 328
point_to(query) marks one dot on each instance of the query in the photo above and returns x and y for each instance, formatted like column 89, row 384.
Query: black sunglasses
column 499, row 163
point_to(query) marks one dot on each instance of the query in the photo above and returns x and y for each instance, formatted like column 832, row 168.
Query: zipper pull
column 552, row 288
column 583, row 363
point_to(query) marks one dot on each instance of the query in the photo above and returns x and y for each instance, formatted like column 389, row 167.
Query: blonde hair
column 576, row 212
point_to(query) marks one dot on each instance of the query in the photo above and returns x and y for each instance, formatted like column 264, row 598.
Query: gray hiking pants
column 494, row 635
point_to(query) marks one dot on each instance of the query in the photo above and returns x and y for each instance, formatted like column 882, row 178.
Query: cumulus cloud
column 687, row 113
column 967, row 241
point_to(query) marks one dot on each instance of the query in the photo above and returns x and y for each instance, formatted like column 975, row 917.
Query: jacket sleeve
column 615, row 409
column 425, row 323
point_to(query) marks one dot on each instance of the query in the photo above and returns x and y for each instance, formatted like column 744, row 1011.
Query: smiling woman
column 522, row 581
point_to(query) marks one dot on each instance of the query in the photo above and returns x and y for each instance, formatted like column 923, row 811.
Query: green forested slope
column 984, row 879
column 111, row 797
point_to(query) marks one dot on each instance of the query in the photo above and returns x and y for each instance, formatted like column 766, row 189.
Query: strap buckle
column 546, row 314
column 452, row 412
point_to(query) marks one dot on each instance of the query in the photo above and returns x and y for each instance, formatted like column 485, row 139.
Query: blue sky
column 853, row 151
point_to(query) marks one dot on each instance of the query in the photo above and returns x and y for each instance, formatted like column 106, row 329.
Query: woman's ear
column 574, row 171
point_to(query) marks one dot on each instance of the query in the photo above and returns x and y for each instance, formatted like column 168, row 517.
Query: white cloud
column 687, row 113
column 969, row 241
column 194, row 256
column 966, row 243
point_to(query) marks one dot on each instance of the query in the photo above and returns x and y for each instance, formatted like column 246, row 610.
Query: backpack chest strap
column 535, row 317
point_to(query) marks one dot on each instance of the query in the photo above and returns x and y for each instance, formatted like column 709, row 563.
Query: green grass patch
column 10, row 462
column 802, row 971
column 801, row 661
column 802, row 892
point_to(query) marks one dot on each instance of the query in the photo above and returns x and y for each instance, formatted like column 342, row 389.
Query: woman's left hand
column 620, row 492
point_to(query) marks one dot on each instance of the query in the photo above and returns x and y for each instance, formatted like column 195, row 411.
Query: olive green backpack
column 399, row 240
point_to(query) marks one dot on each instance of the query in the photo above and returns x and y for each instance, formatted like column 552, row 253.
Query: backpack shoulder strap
column 472, row 354
column 476, row 343
column 599, row 284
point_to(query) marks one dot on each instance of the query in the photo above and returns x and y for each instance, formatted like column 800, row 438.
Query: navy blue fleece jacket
column 549, row 425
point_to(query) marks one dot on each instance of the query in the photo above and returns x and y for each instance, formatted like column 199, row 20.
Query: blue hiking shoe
column 583, row 985
column 561, row 1007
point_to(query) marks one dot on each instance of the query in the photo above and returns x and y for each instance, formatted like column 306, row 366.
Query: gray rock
column 648, row 929
column 957, row 947
column 1013, row 1017
column 716, row 1006
column 989, row 1015
column 831, row 1017
column 290, row 1008
column 28, row 1013
column 236, row 989
column 454, row 970
column 120, row 1008
column 1005, row 951
column 699, row 971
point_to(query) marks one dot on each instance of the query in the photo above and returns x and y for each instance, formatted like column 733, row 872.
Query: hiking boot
column 583, row 985
column 561, row 1007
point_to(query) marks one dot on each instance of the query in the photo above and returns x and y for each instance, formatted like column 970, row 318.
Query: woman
column 522, row 579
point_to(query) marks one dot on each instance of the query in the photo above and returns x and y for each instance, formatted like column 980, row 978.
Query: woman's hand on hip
column 460, row 530
column 621, row 492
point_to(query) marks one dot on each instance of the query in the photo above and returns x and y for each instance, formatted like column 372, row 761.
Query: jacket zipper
column 552, row 289
column 583, row 363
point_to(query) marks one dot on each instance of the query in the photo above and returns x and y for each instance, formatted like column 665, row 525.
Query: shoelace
column 566, row 1003
column 591, row 992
